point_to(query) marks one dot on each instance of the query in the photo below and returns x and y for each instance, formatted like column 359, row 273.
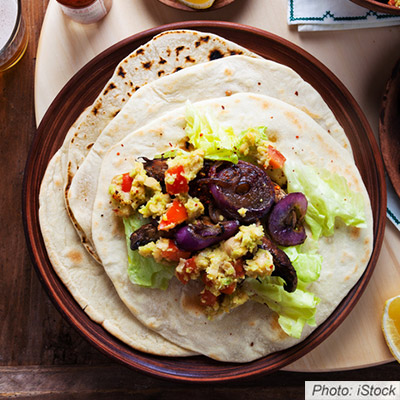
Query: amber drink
column 13, row 34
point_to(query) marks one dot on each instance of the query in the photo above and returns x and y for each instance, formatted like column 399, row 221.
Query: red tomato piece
column 180, row 184
column 189, row 268
column 175, row 215
column 205, row 280
column 173, row 253
column 207, row 298
column 276, row 158
column 239, row 270
column 229, row 289
column 126, row 182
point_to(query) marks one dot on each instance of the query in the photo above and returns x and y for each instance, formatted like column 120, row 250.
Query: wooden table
column 41, row 356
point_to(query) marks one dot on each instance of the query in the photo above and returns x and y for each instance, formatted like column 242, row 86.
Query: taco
column 71, row 255
column 283, row 203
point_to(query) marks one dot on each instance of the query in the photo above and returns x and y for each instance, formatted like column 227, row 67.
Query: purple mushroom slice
column 199, row 235
column 282, row 265
column 155, row 168
column 242, row 191
column 285, row 222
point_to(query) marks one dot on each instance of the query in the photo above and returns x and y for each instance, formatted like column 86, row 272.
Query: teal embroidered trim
column 329, row 14
column 392, row 216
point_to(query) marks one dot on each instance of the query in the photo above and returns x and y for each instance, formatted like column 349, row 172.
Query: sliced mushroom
column 282, row 264
column 155, row 168
column 145, row 234
column 148, row 233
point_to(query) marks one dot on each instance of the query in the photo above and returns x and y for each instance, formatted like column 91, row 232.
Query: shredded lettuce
column 218, row 142
column 305, row 260
column 205, row 132
column 299, row 307
column 294, row 309
column 329, row 196
column 145, row 271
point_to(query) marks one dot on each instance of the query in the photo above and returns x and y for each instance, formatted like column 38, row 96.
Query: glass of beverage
column 13, row 34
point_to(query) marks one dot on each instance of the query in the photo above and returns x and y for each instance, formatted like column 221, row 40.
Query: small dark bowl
column 380, row 6
column 178, row 5
column 389, row 128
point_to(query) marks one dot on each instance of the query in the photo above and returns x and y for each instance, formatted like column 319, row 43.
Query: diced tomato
column 239, row 270
column 189, row 268
column 229, row 289
column 126, row 182
column 205, row 280
column 276, row 158
column 173, row 253
column 174, row 216
column 190, row 265
column 180, row 184
column 207, row 298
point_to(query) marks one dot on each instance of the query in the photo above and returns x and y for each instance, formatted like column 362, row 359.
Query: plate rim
column 82, row 322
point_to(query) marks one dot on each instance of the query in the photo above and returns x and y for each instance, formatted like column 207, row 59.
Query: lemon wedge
column 199, row 4
column 391, row 326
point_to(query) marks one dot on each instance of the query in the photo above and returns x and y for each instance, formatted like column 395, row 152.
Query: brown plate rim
column 179, row 6
column 388, row 136
column 378, row 6
column 199, row 369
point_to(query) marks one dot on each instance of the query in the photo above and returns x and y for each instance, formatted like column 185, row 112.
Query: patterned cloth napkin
column 316, row 15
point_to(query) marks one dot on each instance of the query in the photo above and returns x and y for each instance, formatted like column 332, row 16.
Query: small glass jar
column 13, row 35
column 85, row 11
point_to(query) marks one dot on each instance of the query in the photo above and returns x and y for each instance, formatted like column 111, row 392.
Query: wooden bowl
column 81, row 91
column 178, row 5
column 389, row 128
column 380, row 6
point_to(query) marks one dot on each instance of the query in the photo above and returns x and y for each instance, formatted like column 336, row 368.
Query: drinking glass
column 13, row 34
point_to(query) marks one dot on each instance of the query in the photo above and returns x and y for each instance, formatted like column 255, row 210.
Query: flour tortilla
column 217, row 78
column 163, row 55
column 251, row 330
column 82, row 275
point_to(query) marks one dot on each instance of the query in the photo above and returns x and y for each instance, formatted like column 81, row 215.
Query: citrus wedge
column 199, row 4
column 391, row 325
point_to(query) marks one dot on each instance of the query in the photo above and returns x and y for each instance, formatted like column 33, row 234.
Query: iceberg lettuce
column 329, row 196
column 145, row 271
column 299, row 307
column 218, row 142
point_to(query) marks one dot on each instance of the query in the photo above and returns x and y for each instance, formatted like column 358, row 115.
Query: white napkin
column 315, row 15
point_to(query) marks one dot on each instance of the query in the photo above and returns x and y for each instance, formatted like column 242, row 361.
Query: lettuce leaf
column 294, row 309
column 305, row 260
column 329, row 196
column 299, row 307
column 145, row 271
column 218, row 142
column 205, row 132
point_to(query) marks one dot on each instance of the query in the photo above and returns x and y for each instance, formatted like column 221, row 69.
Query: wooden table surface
column 41, row 355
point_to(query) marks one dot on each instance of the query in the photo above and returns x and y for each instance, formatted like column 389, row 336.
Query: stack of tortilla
column 138, row 113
